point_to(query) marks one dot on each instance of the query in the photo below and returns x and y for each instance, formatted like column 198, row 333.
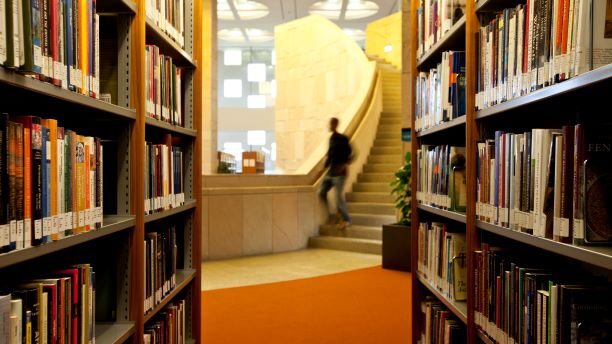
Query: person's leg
column 342, row 208
column 326, row 185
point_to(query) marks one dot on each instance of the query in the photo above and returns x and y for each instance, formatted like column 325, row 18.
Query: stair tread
column 346, row 239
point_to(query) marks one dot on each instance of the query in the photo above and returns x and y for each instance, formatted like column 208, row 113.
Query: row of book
column 434, row 19
column 169, row 16
column 442, row 259
column 169, row 326
column 520, row 301
column 53, row 40
column 540, row 43
column 551, row 183
column 51, row 183
column 160, row 265
column 441, row 178
column 59, row 309
column 164, row 188
column 440, row 93
column 163, row 87
column 441, row 326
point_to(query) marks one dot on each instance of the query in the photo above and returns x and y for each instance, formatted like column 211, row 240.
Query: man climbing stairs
column 370, row 203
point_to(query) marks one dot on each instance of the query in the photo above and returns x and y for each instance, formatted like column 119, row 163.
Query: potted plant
column 396, row 237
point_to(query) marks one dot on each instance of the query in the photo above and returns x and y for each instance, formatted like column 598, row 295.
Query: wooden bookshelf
column 459, row 308
column 127, row 127
column 112, row 224
column 50, row 94
column 183, row 279
column 168, row 46
column 451, row 215
column 114, row 333
column 443, row 127
column 550, row 93
column 189, row 204
column 595, row 255
column 453, row 38
column 467, row 131
column 170, row 128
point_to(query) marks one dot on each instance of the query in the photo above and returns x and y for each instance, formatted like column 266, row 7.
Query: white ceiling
column 282, row 11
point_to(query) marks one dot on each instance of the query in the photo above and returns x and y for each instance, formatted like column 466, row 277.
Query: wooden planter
column 396, row 247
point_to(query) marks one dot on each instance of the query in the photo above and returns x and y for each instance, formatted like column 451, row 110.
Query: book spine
column 566, row 233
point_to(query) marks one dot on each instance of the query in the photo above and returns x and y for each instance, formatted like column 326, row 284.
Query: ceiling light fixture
column 246, row 9
column 258, row 35
column 355, row 34
column 231, row 35
column 355, row 9
column 224, row 11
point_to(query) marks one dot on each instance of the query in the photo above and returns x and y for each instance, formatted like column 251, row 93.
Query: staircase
column 370, row 203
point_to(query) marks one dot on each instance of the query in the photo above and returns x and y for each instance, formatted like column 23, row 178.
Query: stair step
column 384, row 159
column 390, row 120
column 371, row 208
column 347, row 244
column 372, row 187
column 370, row 197
column 387, row 143
column 387, row 135
column 372, row 220
column 389, row 127
column 378, row 168
column 375, row 177
column 386, row 150
column 357, row 232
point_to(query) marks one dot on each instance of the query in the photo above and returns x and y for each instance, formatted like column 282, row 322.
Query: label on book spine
column 54, row 225
column 46, row 223
column 38, row 229
column 563, row 227
column 81, row 218
column 578, row 229
column 12, row 231
column 5, row 233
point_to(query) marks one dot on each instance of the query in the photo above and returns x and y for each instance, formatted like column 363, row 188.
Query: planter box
column 396, row 247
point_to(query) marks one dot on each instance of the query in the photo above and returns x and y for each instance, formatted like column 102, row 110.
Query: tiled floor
column 282, row 267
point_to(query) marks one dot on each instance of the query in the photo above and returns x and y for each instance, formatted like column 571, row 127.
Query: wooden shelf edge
column 442, row 126
column 454, row 30
column 23, row 82
column 114, row 333
column 118, row 223
column 166, row 42
column 484, row 337
column 458, row 308
column 170, row 127
column 183, row 278
column 595, row 255
column 581, row 81
column 455, row 216
column 189, row 204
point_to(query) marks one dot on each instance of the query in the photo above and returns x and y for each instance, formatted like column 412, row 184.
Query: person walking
column 339, row 155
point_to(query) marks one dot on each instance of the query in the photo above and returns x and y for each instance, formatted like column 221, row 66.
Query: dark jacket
column 338, row 154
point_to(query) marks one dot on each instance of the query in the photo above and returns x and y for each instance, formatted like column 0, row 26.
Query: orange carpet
column 364, row 306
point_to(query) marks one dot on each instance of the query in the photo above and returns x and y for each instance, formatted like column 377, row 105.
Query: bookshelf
column 579, row 98
column 116, row 249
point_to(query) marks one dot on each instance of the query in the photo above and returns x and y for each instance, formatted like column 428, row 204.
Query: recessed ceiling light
column 356, row 34
column 246, row 9
column 258, row 35
column 231, row 35
column 249, row 10
column 224, row 11
column 329, row 9
column 355, row 9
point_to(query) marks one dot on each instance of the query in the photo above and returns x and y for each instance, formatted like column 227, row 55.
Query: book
column 160, row 265
column 538, row 44
column 163, row 85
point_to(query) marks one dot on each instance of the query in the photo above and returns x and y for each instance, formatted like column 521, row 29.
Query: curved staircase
column 370, row 202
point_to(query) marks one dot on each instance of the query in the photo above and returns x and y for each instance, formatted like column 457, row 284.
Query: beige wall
column 209, row 87
column 383, row 32
column 320, row 73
